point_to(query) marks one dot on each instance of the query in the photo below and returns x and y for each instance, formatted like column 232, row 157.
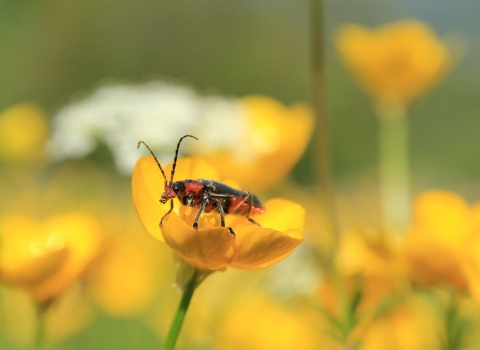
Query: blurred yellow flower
column 46, row 257
column 411, row 326
column 274, row 139
column 259, row 323
column 444, row 242
column 23, row 131
column 212, row 247
column 373, row 256
column 396, row 62
column 122, row 280
column 367, row 275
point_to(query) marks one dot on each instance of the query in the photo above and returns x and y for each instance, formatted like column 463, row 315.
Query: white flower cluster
column 158, row 113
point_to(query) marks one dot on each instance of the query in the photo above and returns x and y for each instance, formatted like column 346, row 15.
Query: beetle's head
column 171, row 191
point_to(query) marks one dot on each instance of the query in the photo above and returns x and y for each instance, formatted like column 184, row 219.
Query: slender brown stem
column 319, row 104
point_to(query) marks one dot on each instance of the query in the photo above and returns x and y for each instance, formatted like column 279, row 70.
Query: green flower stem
column 40, row 335
column 177, row 322
column 458, row 327
column 394, row 168
column 319, row 103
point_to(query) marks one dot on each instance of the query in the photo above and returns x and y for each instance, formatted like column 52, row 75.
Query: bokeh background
column 54, row 53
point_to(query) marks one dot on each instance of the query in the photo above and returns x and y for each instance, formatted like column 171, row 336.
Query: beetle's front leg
column 168, row 212
column 222, row 218
column 199, row 212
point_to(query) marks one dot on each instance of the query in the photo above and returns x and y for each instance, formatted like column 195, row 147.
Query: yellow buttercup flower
column 274, row 139
column 23, row 131
column 444, row 226
column 396, row 62
column 28, row 256
column 371, row 255
column 367, row 273
column 46, row 257
column 212, row 247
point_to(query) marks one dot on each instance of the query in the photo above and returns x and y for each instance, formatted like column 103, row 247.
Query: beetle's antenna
column 156, row 160
column 176, row 155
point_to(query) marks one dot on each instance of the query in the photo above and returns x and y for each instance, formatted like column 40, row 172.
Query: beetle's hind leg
column 222, row 218
column 253, row 221
column 243, row 198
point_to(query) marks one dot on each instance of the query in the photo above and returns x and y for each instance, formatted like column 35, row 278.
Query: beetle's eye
column 178, row 187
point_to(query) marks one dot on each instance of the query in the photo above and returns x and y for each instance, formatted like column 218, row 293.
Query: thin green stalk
column 319, row 104
column 457, row 326
column 395, row 170
column 40, row 335
column 177, row 322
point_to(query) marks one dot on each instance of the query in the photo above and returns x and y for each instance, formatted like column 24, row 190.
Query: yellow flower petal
column 193, row 168
column 261, row 247
column 367, row 252
column 46, row 257
column 444, row 226
column 147, row 187
column 443, row 215
column 281, row 214
column 280, row 232
column 81, row 236
column 205, row 248
column 35, row 270
column 275, row 139
column 431, row 262
column 28, row 255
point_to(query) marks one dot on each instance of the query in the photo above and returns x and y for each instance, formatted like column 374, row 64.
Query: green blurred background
column 53, row 51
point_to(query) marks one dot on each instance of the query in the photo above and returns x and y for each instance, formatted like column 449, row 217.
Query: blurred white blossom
column 158, row 113
column 295, row 276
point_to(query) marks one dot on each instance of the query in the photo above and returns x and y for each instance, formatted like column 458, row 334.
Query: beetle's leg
column 244, row 197
column 199, row 212
column 222, row 217
column 168, row 212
